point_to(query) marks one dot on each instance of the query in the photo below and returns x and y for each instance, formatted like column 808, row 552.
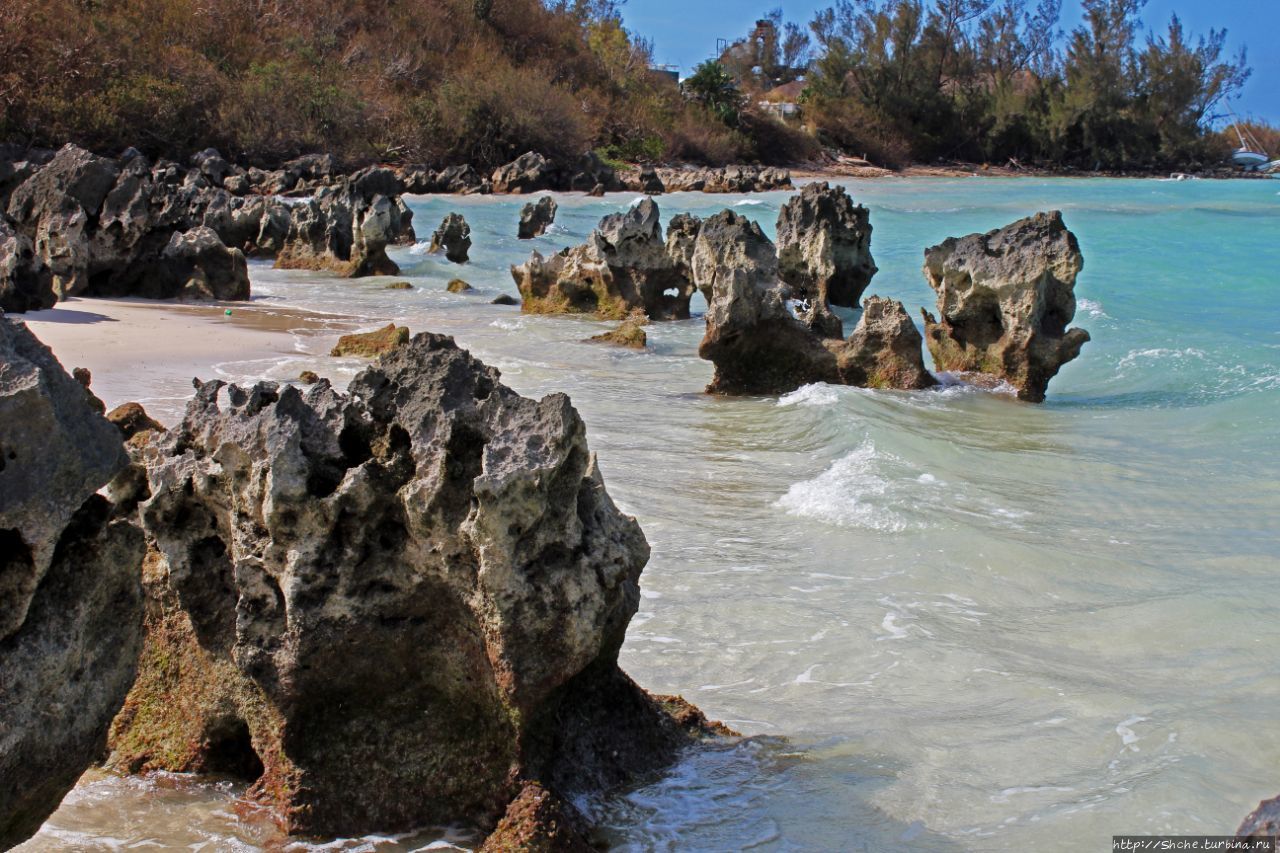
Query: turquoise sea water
column 945, row 620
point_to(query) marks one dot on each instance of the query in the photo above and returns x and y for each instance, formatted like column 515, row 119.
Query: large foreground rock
column 824, row 246
column 391, row 607
column 1264, row 820
column 1005, row 299
column 759, row 347
column 70, row 596
column 624, row 265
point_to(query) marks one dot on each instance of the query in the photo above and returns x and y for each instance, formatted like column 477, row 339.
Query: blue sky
column 684, row 32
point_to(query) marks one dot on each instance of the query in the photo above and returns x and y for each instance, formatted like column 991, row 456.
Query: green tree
column 714, row 87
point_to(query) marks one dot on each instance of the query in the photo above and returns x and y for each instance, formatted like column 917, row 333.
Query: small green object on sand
column 227, row 312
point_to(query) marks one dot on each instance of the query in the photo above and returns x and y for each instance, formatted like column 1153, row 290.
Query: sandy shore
column 149, row 351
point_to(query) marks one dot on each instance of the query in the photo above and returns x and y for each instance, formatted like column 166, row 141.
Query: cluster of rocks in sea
column 397, row 606
column 1005, row 298
column 76, row 224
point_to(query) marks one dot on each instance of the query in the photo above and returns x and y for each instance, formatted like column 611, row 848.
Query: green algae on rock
column 371, row 344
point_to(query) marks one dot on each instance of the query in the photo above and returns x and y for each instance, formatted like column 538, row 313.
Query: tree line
column 997, row 80
column 442, row 82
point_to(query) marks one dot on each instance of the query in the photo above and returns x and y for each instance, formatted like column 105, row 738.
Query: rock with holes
column 346, row 228
column 1005, row 299
column 536, row 218
column 26, row 284
column 527, row 173
column 390, row 607
column 624, row 265
column 70, row 597
column 56, row 209
column 759, row 347
column 453, row 237
column 824, row 246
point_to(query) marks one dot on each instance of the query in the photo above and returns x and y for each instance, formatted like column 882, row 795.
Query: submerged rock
column 1004, row 301
column 624, row 265
column 824, row 246
column 504, row 299
column 457, row 285
column 453, row 237
column 70, row 597
column 630, row 334
column 370, row 344
column 131, row 419
column 759, row 347
column 536, row 218
column 393, row 607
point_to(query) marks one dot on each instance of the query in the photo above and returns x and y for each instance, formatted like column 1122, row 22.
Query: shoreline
column 148, row 351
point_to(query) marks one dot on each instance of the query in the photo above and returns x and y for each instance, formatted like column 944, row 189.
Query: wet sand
column 149, row 351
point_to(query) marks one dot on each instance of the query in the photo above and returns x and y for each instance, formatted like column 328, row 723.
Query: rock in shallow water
column 370, row 344
column 624, row 265
column 70, row 597
column 392, row 607
column 824, row 246
column 1004, row 301
column 759, row 347
column 453, row 237
column 536, row 218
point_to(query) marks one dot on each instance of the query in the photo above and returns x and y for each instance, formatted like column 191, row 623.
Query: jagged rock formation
column 1005, row 299
column 1264, row 820
column 824, row 246
column 70, row 597
column 726, row 179
column 26, row 284
column 75, row 223
column 347, row 228
column 759, row 347
column 453, row 237
column 527, row 173
column 392, row 607
column 624, row 265
column 536, row 218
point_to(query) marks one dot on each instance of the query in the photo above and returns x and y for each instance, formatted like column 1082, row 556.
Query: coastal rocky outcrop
column 393, row 607
column 348, row 227
column 1005, row 299
column 453, row 237
column 528, row 173
column 624, row 265
column 759, row 347
column 824, row 246
column 70, row 592
column 536, row 218
column 78, row 224
column 724, row 179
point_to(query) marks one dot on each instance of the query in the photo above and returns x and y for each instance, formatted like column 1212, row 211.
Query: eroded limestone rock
column 624, row 265
column 536, row 218
column 391, row 607
column 453, row 237
column 70, row 595
column 1005, row 299
column 759, row 347
column 824, row 246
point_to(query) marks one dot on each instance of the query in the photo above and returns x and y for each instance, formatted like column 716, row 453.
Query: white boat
column 1250, row 156
column 1248, row 159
